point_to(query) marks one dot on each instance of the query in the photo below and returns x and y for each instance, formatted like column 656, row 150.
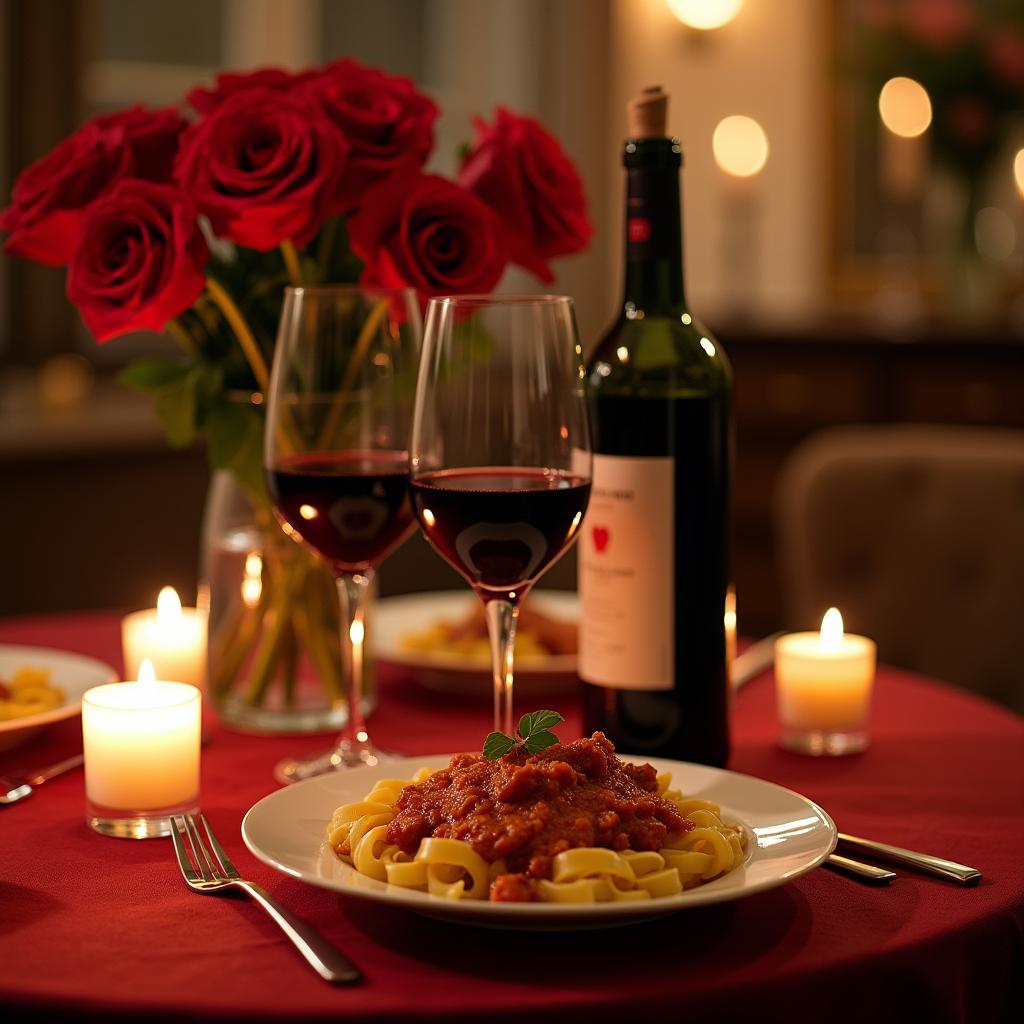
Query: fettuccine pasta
column 370, row 834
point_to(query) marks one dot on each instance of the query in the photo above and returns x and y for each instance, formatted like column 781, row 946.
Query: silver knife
column 950, row 870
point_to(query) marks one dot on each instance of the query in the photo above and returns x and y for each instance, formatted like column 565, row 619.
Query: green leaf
column 539, row 741
column 153, row 374
column 177, row 406
column 235, row 442
column 497, row 744
column 537, row 721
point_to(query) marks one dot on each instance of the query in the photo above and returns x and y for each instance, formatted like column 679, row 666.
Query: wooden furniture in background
column 95, row 510
column 789, row 386
column 914, row 531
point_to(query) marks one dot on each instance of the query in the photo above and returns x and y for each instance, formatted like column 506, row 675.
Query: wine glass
column 500, row 455
column 336, row 457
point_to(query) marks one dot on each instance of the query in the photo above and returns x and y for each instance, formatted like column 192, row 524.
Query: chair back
column 916, row 533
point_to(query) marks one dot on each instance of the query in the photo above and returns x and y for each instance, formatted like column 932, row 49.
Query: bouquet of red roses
column 194, row 220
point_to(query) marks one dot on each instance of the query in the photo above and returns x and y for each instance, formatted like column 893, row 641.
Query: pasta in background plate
column 515, row 829
column 28, row 692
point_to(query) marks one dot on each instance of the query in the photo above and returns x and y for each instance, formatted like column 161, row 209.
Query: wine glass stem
column 352, row 604
column 501, row 627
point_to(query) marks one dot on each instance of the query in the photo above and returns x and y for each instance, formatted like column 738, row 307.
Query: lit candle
column 172, row 637
column 823, row 688
column 730, row 628
column 141, row 745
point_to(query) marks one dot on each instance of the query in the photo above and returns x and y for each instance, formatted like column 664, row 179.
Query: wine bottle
column 654, row 555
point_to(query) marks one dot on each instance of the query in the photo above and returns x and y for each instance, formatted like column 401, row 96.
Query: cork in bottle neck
column 647, row 114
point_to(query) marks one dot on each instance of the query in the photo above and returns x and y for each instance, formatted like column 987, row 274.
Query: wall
column 769, row 63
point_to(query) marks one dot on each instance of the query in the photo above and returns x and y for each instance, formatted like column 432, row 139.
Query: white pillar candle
column 823, row 680
column 141, row 744
column 172, row 637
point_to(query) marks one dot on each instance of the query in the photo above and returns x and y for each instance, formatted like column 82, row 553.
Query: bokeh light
column 905, row 107
column 705, row 14
column 1018, row 171
column 740, row 146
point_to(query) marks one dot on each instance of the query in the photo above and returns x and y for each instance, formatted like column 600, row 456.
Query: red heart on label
column 600, row 535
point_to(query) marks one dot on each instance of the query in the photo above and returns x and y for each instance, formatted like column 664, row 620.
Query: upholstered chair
column 916, row 533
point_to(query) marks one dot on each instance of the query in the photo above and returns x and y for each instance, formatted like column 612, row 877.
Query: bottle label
column 627, row 575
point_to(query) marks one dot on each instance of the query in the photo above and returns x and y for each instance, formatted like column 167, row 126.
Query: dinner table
column 105, row 928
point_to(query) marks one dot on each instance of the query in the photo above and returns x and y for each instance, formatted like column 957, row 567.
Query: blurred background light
column 905, row 107
column 740, row 146
column 1018, row 171
column 705, row 14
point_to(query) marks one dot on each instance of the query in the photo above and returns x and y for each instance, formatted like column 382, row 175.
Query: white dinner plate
column 395, row 617
column 787, row 836
column 72, row 673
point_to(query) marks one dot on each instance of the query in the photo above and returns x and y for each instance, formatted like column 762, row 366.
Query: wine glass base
column 344, row 755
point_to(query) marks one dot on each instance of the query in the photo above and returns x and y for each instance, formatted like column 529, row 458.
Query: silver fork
column 210, row 870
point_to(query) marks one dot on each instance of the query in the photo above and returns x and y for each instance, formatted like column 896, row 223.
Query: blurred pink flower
column 1005, row 54
column 940, row 24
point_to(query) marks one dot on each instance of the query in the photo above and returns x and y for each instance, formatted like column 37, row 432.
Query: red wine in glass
column 500, row 527
column 352, row 507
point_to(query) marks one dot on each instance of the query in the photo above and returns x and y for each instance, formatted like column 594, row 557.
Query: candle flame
column 356, row 632
column 168, row 607
column 147, row 674
column 831, row 637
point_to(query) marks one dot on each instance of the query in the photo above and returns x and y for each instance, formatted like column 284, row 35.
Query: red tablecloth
column 108, row 928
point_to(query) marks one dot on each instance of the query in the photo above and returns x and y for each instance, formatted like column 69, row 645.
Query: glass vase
column 274, row 654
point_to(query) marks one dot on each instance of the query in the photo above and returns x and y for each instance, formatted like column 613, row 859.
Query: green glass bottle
column 654, row 555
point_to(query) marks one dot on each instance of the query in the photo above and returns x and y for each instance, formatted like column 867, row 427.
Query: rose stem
column 289, row 659
column 325, row 246
column 245, row 336
column 181, row 335
column 270, row 642
column 312, row 626
column 234, row 640
column 370, row 326
column 291, row 261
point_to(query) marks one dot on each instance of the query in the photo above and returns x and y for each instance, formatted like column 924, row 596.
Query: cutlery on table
column 859, row 870
column 206, row 868
column 757, row 658
column 949, row 870
column 16, row 786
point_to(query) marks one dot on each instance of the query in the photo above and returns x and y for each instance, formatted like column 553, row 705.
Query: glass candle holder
column 141, row 743
column 823, row 692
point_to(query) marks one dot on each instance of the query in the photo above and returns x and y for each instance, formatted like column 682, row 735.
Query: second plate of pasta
column 784, row 836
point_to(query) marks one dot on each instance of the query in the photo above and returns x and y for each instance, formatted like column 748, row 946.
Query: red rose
column 424, row 232
column 264, row 167
column 151, row 136
column 49, row 195
column 389, row 126
column 205, row 101
column 140, row 259
column 521, row 172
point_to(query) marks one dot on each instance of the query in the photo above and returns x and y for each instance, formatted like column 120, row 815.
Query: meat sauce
column 524, row 809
